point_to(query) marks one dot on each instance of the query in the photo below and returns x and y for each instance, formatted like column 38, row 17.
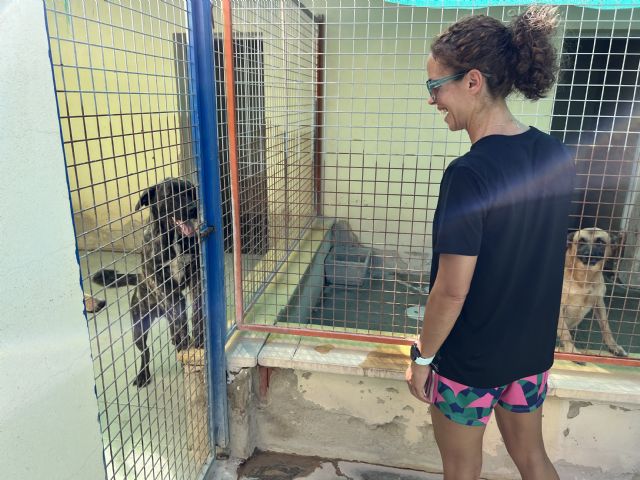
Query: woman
column 499, row 237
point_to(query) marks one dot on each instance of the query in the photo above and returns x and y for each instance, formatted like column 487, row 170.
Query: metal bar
column 213, row 251
column 287, row 123
column 304, row 9
column 319, row 117
column 630, row 362
column 233, row 156
column 306, row 332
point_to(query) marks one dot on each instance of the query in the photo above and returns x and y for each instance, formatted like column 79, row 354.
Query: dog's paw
column 142, row 380
column 618, row 351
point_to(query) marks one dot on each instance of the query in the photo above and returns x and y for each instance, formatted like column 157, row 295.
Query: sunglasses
column 432, row 85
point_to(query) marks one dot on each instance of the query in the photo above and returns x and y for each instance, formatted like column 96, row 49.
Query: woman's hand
column 416, row 377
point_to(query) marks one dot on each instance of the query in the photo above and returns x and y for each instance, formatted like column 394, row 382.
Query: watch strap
column 424, row 361
column 417, row 357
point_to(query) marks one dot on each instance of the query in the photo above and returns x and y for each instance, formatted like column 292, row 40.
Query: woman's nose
column 431, row 101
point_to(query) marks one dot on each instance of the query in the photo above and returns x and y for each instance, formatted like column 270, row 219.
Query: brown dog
column 583, row 289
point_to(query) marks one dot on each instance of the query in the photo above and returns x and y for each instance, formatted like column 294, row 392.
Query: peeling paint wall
column 354, row 418
column 377, row 420
column 597, row 436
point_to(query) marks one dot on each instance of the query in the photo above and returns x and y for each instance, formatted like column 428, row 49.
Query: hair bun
column 536, row 66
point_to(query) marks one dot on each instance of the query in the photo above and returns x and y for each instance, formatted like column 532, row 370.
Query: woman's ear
column 474, row 81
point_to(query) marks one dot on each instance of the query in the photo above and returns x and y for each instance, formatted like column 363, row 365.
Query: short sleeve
column 460, row 213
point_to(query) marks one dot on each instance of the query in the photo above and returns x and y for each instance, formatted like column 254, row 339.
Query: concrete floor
column 276, row 466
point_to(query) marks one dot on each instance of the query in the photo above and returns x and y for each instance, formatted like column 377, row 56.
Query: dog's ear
column 147, row 198
column 570, row 237
column 616, row 245
column 615, row 239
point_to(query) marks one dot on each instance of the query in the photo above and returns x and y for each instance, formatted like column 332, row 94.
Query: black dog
column 170, row 265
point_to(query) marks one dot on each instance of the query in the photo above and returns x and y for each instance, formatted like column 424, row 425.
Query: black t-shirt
column 506, row 201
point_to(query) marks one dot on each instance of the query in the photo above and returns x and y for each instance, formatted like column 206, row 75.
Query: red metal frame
column 629, row 362
column 308, row 332
column 363, row 337
column 233, row 157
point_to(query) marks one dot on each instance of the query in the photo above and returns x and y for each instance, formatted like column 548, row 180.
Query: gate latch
column 207, row 231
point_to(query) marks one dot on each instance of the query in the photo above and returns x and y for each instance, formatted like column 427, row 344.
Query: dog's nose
column 594, row 252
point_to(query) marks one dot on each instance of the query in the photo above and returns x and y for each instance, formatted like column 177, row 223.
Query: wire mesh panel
column 363, row 267
column 122, row 81
column 596, row 113
column 272, row 53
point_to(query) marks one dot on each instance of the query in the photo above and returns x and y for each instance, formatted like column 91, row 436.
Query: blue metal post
column 206, row 144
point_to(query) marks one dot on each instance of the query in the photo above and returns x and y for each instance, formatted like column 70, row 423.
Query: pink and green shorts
column 473, row 406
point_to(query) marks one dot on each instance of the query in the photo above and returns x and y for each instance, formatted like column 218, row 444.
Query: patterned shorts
column 473, row 406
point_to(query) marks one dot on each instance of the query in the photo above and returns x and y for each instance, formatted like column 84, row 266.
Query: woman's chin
column 450, row 123
column 452, row 126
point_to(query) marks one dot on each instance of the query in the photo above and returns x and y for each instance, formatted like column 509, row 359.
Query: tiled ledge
column 600, row 383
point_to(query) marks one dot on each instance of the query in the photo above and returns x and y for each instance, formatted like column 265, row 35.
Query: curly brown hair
column 519, row 56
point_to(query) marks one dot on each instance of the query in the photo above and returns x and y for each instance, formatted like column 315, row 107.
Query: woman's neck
column 494, row 119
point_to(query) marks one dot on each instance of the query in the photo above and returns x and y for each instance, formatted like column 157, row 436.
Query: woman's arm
column 443, row 307
column 445, row 301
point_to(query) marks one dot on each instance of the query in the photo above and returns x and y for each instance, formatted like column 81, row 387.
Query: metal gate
column 135, row 129
column 354, row 72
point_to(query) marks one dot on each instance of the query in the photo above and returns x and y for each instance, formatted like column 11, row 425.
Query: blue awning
column 469, row 4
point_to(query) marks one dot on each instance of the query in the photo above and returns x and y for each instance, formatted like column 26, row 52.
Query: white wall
column 48, row 410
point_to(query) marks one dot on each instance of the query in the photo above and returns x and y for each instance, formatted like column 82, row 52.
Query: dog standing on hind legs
column 584, row 287
column 170, row 266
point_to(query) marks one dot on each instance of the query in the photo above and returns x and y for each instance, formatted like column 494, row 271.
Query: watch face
column 415, row 353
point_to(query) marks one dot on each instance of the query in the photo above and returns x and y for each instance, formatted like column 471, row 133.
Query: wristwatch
column 417, row 357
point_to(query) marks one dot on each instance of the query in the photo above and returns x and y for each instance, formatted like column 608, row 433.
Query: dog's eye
column 601, row 241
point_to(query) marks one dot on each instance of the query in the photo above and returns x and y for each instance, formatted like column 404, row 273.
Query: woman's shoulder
column 550, row 144
column 497, row 146
column 471, row 161
column 461, row 163
column 470, row 165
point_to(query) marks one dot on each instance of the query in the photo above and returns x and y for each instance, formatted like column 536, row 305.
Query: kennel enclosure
column 317, row 160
